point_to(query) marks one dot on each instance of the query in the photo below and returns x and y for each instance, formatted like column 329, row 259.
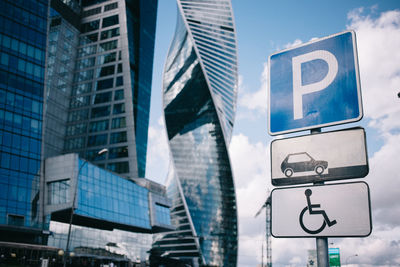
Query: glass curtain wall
column 110, row 99
column 199, row 98
column 22, row 62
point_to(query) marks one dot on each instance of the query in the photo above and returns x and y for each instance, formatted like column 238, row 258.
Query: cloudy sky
column 264, row 27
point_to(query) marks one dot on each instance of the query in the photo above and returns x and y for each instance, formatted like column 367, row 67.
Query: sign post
column 311, row 86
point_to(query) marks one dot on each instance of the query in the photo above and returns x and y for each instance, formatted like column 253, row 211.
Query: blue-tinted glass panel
column 163, row 215
column 22, row 46
column 121, row 201
column 109, row 21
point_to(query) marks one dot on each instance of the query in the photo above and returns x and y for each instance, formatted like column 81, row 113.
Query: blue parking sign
column 314, row 85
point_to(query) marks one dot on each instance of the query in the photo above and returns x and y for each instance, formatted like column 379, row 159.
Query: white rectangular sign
column 335, row 210
column 319, row 157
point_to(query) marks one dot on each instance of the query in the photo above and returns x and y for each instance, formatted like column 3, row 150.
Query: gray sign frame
column 334, row 155
column 293, row 209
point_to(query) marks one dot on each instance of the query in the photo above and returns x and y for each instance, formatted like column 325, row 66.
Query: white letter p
column 299, row 90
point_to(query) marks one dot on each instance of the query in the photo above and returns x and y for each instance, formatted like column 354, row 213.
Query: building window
column 119, row 108
column 162, row 215
column 55, row 22
column 91, row 12
column 97, row 140
column 100, row 112
column 78, row 115
column 74, row 143
column 109, row 33
column 109, row 45
column 109, row 21
column 119, row 167
column 84, row 76
column 17, row 220
column 98, row 126
column 85, row 51
column 119, row 69
column 82, row 88
column 105, row 71
column 58, row 192
column 85, row 63
column 53, row 36
column 119, row 81
column 118, row 137
column 79, row 101
column 102, row 98
column 90, row 26
column 104, row 84
column 118, row 152
column 76, row 129
column 110, row 6
column 118, row 123
column 107, row 58
column 119, row 94
column 87, row 39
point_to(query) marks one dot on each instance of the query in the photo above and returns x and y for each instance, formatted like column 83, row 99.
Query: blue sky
column 264, row 27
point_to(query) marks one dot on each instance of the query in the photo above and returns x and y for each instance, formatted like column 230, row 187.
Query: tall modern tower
column 99, row 76
column 75, row 78
column 199, row 98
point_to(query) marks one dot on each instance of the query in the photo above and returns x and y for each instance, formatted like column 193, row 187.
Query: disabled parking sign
column 334, row 210
column 314, row 85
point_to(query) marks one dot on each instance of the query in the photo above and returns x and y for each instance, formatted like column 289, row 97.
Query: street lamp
column 347, row 260
column 101, row 152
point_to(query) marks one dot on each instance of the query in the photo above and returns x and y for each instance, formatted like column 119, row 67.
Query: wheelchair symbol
column 310, row 207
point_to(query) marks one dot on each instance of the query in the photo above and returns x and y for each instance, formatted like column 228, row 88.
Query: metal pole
column 321, row 242
column 322, row 251
column 72, row 214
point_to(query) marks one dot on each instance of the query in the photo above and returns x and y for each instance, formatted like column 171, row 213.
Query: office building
column 114, row 217
column 75, row 79
column 23, row 26
column 101, row 61
column 199, row 98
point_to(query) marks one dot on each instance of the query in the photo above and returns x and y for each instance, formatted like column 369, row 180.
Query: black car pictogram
column 302, row 162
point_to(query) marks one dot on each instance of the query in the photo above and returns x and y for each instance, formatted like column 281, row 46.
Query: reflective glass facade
column 106, row 196
column 108, row 209
column 117, row 246
column 75, row 76
column 141, row 20
column 199, row 97
column 109, row 96
column 22, row 63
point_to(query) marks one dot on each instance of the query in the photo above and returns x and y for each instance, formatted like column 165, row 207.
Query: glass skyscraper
column 23, row 26
column 199, row 98
column 75, row 77
column 103, row 66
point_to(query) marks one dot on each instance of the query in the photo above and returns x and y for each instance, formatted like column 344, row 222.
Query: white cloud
column 255, row 102
column 379, row 57
column 378, row 41
column 249, row 162
column 385, row 183
column 293, row 44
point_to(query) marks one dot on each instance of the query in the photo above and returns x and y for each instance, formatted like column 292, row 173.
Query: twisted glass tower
column 199, row 98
